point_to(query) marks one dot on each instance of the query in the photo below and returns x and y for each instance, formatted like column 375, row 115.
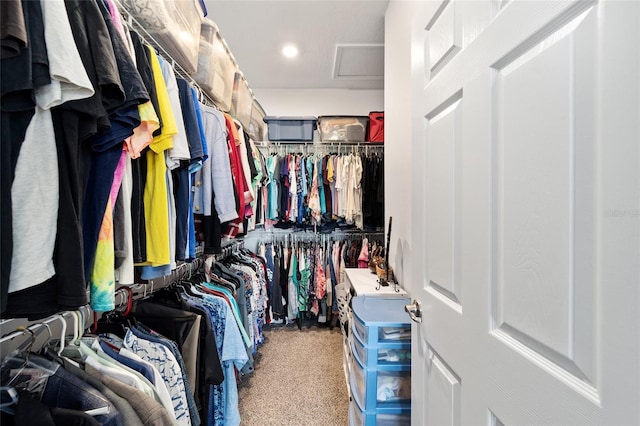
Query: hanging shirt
column 257, row 160
column 303, row 287
column 314, row 198
column 148, row 370
column 35, row 193
column 155, row 191
column 223, row 398
column 102, row 278
column 246, row 168
column 162, row 358
column 13, row 29
column 215, row 174
column 272, row 209
column 338, row 196
column 326, row 185
column 124, row 274
column 357, row 191
column 320, row 186
column 180, row 149
column 69, row 79
column 347, row 189
column 363, row 257
column 293, row 188
column 293, row 304
column 236, row 226
column 321, row 281
column 153, row 272
column 197, row 106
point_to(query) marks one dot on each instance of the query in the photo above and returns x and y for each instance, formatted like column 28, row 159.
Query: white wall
column 315, row 102
column 398, row 136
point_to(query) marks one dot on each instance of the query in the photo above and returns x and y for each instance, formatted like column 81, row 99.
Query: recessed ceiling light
column 290, row 51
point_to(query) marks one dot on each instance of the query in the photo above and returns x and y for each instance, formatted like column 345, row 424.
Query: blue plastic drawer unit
column 388, row 388
column 290, row 128
column 378, row 319
column 380, row 417
column 382, row 354
column 380, row 371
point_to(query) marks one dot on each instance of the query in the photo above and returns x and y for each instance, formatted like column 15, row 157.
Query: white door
column 526, row 212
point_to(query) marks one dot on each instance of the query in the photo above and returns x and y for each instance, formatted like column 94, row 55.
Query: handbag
column 376, row 126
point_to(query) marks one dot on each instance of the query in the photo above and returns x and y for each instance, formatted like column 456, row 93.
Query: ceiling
column 341, row 43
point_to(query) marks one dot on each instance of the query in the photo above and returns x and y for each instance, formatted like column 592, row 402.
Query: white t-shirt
column 125, row 273
column 180, row 150
column 35, row 200
column 69, row 80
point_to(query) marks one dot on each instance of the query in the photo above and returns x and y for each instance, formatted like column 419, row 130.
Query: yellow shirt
column 156, row 207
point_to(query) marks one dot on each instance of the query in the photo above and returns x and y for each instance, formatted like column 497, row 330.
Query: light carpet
column 298, row 380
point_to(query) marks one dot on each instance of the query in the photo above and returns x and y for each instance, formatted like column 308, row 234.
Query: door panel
column 445, row 37
column 536, row 190
column 443, row 392
column 444, row 130
column 525, row 212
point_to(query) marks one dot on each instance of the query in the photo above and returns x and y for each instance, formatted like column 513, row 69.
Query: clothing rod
column 229, row 248
column 313, row 237
column 182, row 271
column 321, row 149
column 57, row 326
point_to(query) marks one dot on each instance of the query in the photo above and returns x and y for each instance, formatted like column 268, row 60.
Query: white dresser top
column 364, row 282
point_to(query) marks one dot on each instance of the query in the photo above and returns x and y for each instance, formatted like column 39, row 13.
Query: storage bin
column 376, row 319
column 382, row 354
column 375, row 132
column 241, row 100
column 382, row 334
column 216, row 68
column 389, row 388
column 257, row 127
column 290, row 128
column 174, row 24
column 343, row 128
column 378, row 417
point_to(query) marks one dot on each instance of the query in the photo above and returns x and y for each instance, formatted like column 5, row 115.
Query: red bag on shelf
column 376, row 126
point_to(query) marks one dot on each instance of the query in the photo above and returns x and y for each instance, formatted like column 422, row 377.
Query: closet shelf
column 136, row 25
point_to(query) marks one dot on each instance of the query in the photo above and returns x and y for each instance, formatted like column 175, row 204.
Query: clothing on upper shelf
column 331, row 191
column 102, row 147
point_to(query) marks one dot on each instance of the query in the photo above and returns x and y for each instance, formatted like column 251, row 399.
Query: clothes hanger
column 18, row 367
column 71, row 350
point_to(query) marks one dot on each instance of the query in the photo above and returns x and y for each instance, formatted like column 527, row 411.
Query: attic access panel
column 359, row 62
